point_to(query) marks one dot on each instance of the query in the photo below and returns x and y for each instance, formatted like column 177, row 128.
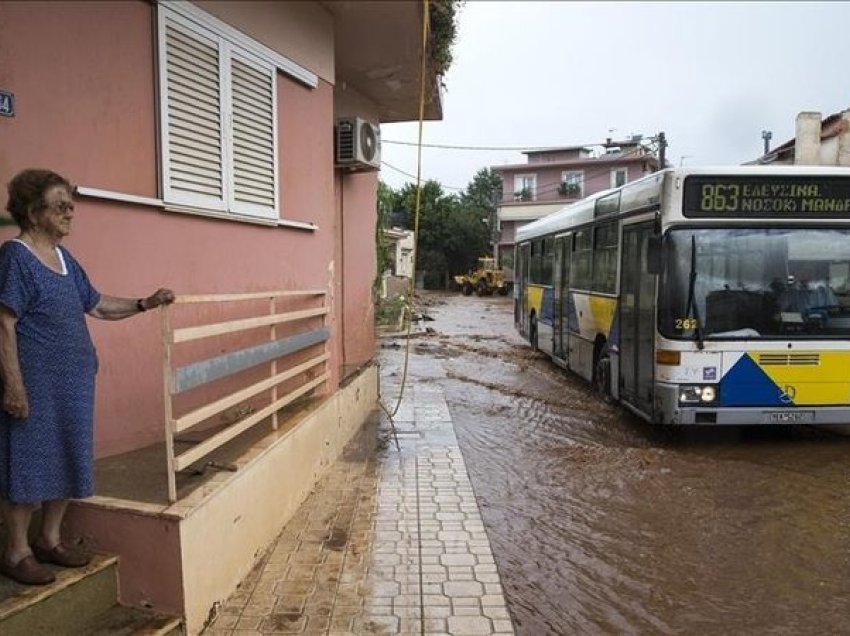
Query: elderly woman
column 48, row 364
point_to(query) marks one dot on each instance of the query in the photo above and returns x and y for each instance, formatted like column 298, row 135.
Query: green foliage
column 454, row 230
column 386, row 204
column 451, row 233
column 569, row 189
column 443, row 31
column 484, row 191
column 483, row 194
column 388, row 311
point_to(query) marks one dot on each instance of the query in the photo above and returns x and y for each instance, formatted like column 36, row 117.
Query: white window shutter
column 194, row 159
column 254, row 160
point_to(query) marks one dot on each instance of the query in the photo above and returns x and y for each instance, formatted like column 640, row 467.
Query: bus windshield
column 736, row 283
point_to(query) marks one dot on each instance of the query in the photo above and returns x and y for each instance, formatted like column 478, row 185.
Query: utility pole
column 495, row 235
column 662, row 150
column 766, row 135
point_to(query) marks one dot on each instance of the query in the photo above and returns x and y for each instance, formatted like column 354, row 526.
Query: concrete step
column 81, row 602
column 76, row 597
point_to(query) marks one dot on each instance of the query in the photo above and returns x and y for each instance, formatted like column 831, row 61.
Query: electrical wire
column 588, row 174
column 512, row 148
column 413, row 176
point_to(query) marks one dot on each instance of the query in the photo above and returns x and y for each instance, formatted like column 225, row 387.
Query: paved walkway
column 390, row 542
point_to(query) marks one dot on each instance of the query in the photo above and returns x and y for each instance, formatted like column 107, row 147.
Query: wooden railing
column 305, row 375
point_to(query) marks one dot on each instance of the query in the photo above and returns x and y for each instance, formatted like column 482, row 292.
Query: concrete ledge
column 187, row 558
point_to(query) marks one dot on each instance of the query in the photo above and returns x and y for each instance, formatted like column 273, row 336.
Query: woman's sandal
column 27, row 571
column 61, row 555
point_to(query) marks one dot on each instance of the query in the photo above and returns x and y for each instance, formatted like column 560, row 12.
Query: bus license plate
column 788, row 417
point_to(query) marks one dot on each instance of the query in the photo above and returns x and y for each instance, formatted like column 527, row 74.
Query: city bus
column 699, row 296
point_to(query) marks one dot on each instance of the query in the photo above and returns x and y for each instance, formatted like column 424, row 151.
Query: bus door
column 562, row 284
column 637, row 319
column 521, row 289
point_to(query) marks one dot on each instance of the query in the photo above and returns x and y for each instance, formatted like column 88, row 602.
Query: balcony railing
column 275, row 360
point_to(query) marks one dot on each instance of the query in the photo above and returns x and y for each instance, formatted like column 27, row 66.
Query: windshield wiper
column 692, row 310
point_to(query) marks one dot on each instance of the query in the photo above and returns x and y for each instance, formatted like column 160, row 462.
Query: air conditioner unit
column 358, row 144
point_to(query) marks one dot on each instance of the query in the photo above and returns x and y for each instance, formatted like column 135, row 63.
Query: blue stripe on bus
column 613, row 342
column 746, row 384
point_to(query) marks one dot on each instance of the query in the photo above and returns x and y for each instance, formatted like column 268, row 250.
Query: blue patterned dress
column 49, row 455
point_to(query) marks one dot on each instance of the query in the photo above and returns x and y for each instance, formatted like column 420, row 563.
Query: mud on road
column 603, row 524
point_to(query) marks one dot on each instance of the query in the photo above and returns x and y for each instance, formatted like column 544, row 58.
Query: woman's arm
column 113, row 308
column 15, row 401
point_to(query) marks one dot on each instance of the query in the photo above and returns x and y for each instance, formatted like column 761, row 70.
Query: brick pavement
column 390, row 542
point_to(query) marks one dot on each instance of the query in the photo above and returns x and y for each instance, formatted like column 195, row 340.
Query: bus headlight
column 697, row 394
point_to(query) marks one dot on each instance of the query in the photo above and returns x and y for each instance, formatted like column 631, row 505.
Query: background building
column 553, row 178
column 816, row 142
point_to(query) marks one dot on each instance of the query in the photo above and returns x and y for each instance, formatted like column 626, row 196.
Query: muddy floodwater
column 602, row 524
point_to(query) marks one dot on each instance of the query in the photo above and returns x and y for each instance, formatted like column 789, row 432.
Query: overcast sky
column 711, row 75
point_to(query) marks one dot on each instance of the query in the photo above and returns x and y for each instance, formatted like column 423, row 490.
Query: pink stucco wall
column 150, row 570
column 359, row 215
column 82, row 74
column 85, row 100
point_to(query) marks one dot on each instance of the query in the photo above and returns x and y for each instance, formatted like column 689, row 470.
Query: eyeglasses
column 63, row 207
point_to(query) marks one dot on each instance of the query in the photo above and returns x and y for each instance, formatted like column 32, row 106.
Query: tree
column 387, row 202
column 454, row 230
column 447, row 241
column 434, row 232
column 484, row 193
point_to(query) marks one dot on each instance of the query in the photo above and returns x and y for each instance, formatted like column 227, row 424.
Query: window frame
column 605, row 257
column 565, row 179
column 581, row 259
column 231, row 45
column 615, row 171
column 523, row 176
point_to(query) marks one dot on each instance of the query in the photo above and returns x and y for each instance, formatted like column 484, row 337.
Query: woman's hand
column 159, row 297
column 115, row 308
column 15, row 401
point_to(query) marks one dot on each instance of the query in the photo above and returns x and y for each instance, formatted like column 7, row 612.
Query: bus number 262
column 686, row 324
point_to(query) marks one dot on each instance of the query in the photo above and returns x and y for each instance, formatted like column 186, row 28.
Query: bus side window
column 580, row 266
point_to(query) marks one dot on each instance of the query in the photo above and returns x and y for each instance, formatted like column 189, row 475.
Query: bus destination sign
column 820, row 197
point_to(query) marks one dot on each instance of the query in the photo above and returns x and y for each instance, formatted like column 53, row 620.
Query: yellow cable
column 412, row 287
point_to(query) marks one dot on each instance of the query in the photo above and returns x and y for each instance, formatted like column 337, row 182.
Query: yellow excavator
column 484, row 280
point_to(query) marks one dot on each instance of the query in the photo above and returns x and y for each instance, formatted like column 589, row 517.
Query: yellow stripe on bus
column 603, row 310
column 824, row 382
column 535, row 298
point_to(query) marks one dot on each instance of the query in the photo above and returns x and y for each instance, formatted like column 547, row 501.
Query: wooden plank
column 208, row 410
column 168, row 380
column 205, row 371
column 203, row 449
column 216, row 329
column 217, row 298
column 273, row 365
